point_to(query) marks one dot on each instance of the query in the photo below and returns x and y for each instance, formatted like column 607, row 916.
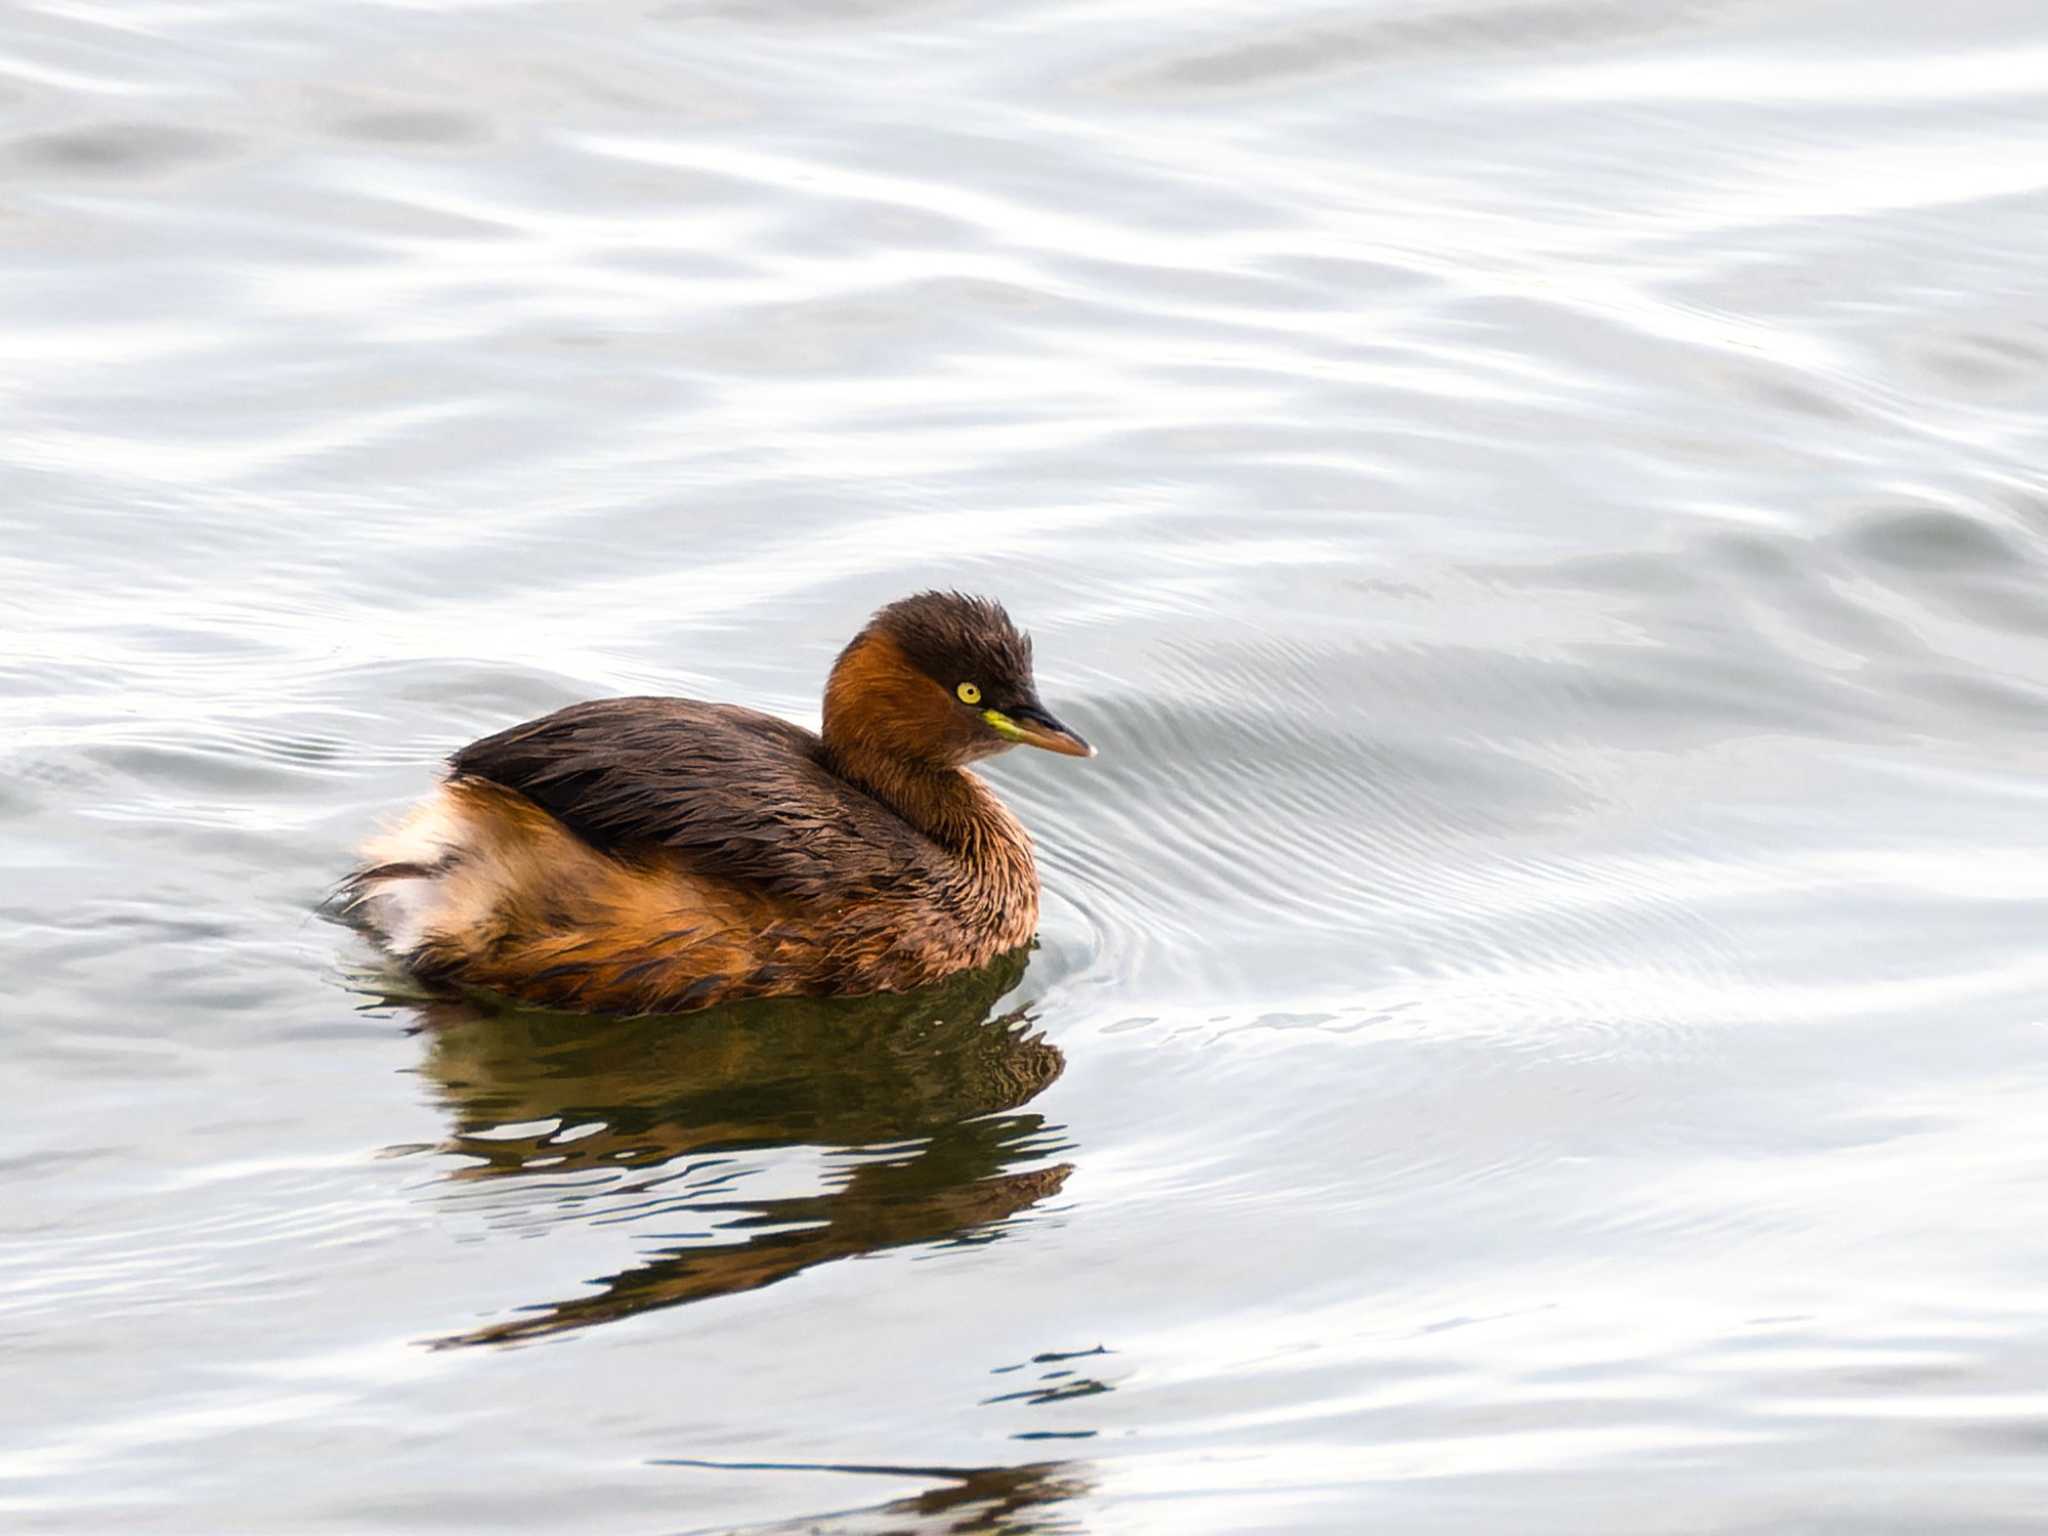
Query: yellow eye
column 969, row 694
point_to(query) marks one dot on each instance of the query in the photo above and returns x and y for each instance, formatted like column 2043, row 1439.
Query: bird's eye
column 969, row 694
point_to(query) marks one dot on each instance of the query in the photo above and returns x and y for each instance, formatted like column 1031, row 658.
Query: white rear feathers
column 402, row 888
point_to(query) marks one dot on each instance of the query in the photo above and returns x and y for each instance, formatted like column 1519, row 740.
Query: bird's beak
column 1030, row 726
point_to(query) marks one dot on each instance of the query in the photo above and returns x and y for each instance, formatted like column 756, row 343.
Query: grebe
column 656, row 855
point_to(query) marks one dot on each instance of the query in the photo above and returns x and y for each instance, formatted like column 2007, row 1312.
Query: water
column 1539, row 1019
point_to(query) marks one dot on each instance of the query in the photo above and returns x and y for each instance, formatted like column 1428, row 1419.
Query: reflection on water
column 1059, row 1380
column 652, row 1120
column 1013, row 1501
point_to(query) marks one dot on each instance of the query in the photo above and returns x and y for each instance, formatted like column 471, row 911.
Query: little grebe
column 650, row 855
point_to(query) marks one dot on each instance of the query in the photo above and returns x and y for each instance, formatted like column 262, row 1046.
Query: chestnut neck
column 885, row 730
column 888, row 732
column 946, row 804
column 995, row 890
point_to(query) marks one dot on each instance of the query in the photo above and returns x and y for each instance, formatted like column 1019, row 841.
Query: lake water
column 1539, row 1023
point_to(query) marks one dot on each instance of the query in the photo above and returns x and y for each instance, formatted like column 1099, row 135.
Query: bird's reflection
column 1033, row 1500
column 643, row 1118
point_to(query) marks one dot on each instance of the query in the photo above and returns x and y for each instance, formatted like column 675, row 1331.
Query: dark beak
column 1030, row 725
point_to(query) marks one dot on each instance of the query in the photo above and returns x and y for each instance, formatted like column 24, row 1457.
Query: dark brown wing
column 739, row 795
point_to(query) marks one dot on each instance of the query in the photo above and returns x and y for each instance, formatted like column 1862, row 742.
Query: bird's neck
column 873, row 699
column 960, row 813
column 950, row 806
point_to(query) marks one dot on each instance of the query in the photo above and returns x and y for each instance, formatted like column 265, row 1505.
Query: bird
column 654, row 855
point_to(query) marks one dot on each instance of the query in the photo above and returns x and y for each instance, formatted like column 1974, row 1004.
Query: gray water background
column 1539, row 1022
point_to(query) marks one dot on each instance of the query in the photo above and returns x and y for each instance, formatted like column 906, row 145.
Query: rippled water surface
column 1539, row 1018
